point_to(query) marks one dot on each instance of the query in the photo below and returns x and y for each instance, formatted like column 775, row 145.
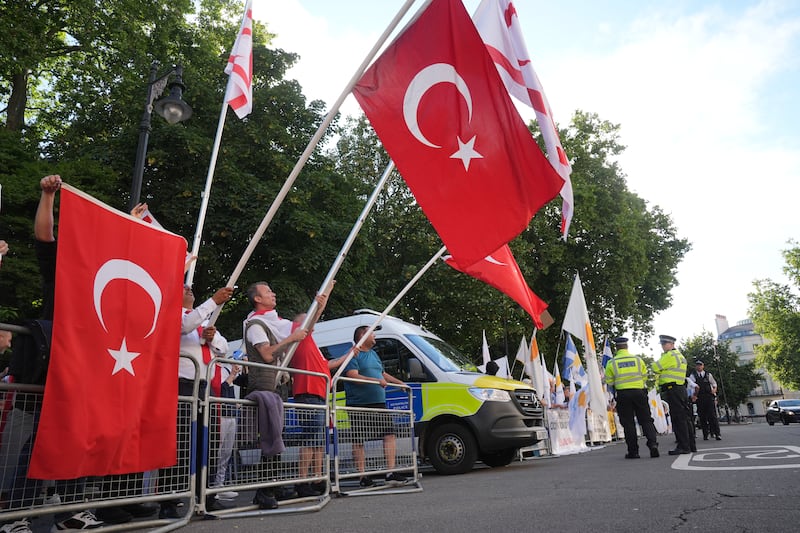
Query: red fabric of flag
column 501, row 271
column 441, row 111
column 110, row 400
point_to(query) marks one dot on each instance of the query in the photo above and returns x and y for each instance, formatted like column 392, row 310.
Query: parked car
column 783, row 411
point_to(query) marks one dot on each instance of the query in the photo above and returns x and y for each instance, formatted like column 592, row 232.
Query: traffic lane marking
column 715, row 458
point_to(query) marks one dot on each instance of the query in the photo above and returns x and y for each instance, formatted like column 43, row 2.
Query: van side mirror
column 415, row 370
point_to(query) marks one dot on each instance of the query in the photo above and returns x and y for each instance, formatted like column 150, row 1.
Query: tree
column 626, row 253
column 45, row 41
column 735, row 380
column 88, row 134
column 83, row 106
column 775, row 311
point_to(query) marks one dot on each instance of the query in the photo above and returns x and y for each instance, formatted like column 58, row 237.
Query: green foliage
column 775, row 311
column 735, row 380
column 84, row 87
column 627, row 255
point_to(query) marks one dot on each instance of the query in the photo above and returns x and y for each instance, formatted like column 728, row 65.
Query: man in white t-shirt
column 266, row 338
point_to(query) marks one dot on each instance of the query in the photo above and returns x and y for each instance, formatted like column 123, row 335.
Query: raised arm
column 44, row 222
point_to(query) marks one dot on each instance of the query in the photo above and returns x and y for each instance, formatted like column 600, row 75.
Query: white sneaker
column 227, row 495
column 20, row 526
column 77, row 522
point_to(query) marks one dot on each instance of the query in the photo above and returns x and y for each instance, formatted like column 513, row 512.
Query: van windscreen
column 336, row 350
column 442, row 354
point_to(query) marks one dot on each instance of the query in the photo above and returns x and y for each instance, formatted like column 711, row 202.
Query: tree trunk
column 15, row 114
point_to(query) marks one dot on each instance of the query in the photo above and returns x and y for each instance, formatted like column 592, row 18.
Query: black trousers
column 675, row 396
column 708, row 414
column 630, row 403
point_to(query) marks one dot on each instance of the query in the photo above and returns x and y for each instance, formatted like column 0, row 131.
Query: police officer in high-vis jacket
column 626, row 373
column 671, row 373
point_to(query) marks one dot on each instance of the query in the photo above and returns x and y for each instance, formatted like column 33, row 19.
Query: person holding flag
column 627, row 373
column 201, row 343
column 24, row 489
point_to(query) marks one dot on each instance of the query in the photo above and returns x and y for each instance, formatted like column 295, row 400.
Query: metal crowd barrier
column 246, row 470
column 204, row 423
column 23, row 498
column 359, row 430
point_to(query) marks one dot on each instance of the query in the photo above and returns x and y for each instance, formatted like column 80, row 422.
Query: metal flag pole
column 201, row 217
column 388, row 309
column 309, row 150
column 327, row 284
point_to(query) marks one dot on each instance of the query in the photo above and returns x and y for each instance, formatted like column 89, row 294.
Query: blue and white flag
column 607, row 356
column 573, row 368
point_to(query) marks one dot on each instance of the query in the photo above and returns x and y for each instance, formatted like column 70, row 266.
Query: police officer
column 705, row 397
column 670, row 370
column 626, row 373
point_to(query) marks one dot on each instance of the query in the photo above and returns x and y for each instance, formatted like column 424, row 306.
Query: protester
column 312, row 390
column 366, row 365
column 3, row 250
column 227, row 425
column 24, row 419
column 5, row 344
column 627, row 373
column 706, row 398
column 670, row 371
column 200, row 343
column 266, row 337
column 492, row 368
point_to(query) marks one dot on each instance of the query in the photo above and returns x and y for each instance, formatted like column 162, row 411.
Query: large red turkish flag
column 501, row 271
column 441, row 111
column 110, row 400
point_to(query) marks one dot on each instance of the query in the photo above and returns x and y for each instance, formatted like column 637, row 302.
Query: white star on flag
column 466, row 152
column 123, row 359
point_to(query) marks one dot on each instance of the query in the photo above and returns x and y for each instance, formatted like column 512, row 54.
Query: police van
column 460, row 415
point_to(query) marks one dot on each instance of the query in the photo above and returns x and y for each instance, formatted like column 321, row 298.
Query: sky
column 705, row 95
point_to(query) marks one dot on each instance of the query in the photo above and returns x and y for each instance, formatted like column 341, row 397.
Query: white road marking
column 713, row 458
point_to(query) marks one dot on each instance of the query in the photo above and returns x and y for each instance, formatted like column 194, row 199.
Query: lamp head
column 173, row 108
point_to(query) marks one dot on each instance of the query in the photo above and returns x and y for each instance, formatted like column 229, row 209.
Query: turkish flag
column 110, row 400
column 501, row 271
column 441, row 111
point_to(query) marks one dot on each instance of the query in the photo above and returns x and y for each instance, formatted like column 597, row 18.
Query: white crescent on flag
column 128, row 270
column 420, row 84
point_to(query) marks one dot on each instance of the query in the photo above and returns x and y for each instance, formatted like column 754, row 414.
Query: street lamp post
column 172, row 108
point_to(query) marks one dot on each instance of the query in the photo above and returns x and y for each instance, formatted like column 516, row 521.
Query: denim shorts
column 313, row 426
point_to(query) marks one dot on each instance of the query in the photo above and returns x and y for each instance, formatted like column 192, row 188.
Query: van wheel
column 501, row 458
column 452, row 449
